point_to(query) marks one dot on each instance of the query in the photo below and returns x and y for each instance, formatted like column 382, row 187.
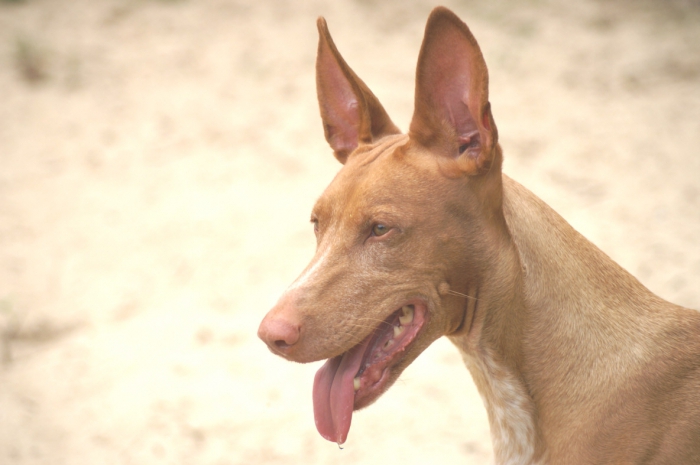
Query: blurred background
column 158, row 163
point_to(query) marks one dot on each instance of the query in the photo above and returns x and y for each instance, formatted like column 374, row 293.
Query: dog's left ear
column 452, row 113
column 350, row 112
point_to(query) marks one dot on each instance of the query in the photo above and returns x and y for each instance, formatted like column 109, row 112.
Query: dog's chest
column 509, row 408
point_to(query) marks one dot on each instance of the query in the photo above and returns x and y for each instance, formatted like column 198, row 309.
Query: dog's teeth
column 398, row 330
column 356, row 384
column 388, row 343
column 406, row 314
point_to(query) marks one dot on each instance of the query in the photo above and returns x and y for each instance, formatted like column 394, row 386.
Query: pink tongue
column 334, row 393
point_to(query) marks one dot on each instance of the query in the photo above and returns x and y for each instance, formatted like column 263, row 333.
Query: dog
column 421, row 235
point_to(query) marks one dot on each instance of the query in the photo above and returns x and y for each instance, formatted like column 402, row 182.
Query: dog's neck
column 490, row 343
column 511, row 410
column 551, row 282
column 490, row 349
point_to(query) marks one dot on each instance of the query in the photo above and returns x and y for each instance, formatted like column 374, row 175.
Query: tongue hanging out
column 334, row 393
column 357, row 377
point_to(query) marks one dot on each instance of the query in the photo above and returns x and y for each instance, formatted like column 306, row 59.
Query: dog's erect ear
column 350, row 112
column 452, row 112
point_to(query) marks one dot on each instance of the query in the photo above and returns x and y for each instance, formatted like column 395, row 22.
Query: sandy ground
column 158, row 162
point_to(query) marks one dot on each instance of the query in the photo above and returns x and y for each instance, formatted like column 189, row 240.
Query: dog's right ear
column 351, row 113
column 452, row 113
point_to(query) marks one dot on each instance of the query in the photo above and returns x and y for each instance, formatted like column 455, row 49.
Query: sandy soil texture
column 158, row 163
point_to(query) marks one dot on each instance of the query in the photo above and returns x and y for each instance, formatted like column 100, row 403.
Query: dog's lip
column 375, row 376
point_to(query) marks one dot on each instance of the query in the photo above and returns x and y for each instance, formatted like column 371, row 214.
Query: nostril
column 281, row 344
column 279, row 334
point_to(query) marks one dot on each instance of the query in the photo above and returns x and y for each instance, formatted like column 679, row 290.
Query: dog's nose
column 279, row 334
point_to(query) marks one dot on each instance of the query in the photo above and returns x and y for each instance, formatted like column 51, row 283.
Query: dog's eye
column 315, row 222
column 380, row 229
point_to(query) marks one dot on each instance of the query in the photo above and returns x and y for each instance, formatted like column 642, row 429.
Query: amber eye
column 380, row 229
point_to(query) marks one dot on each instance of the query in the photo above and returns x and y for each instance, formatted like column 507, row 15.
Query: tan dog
column 421, row 236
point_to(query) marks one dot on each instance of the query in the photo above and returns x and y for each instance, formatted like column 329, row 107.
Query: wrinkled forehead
column 375, row 176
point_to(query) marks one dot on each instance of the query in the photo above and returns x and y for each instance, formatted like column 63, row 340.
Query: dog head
column 404, row 231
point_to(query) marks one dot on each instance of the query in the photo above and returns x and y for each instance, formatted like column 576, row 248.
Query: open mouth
column 356, row 378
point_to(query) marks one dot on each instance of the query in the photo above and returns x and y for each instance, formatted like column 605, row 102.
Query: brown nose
column 279, row 333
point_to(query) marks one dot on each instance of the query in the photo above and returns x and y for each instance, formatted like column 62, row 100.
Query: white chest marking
column 509, row 409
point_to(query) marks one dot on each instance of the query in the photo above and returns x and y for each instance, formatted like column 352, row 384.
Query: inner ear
column 469, row 143
column 351, row 114
column 338, row 100
column 452, row 114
